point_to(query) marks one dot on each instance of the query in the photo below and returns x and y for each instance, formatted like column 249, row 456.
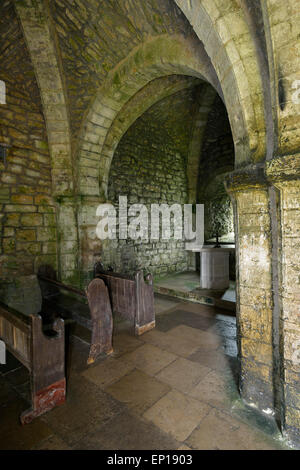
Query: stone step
column 212, row 299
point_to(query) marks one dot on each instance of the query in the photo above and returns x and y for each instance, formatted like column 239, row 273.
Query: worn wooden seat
column 43, row 355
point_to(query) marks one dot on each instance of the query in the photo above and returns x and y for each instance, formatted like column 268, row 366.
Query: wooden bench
column 100, row 320
column 108, row 292
column 131, row 297
column 43, row 355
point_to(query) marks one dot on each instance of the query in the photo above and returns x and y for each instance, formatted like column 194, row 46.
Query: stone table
column 214, row 266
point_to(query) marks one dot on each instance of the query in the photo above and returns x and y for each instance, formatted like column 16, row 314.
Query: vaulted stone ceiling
column 15, row 65
column 174, row 115
column 95, row 36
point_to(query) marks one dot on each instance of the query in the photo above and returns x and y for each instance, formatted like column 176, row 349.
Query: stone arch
column 225, row 34
column 167, row 55
column 138, row 105
column 205, row 101
column 161, row 88
column 39, row 36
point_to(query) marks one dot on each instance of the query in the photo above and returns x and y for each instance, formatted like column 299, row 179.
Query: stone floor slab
column 11, row 364
column 7, row 393
column 138, row 391
column 124, row 343
column 149, row 358
column 87, row 407
column 215, row 360
column 128, row 432
column 219, row 431
column 224, row 327
column 181, row 346
column 163, row 303
column 183, row 374
column 14, row 436
column 108, row 371
column 204, row 340
column 183, row 316
column 216, row 389
column 177, row 414
column 52, row 443
column 18, row 376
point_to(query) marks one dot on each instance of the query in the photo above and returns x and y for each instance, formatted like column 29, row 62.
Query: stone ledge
column 285, row 168
column 262, row 175
column 250, row 177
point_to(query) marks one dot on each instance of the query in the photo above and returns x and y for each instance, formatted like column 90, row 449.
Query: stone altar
column 214, row 266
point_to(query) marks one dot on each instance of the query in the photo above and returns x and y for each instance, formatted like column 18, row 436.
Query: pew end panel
column 145, row 311
column 48, row 382
column 102, row 320
column 42, row 354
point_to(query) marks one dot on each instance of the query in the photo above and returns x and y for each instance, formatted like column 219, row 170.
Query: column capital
column 63, row 199
column 248, row 178
column 277, row 172
column 80, row 200
column 284, row 169
column 84, row 199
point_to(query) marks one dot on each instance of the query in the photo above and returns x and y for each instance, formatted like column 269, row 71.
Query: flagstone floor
column 172, row 388
column 186, row 286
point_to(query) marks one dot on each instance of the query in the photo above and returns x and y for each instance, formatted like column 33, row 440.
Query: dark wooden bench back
column 42, row 355
column 132, row 298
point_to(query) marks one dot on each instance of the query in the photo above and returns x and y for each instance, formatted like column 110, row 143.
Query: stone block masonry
column 27, row 219
column 217, row 158
column 149, row 166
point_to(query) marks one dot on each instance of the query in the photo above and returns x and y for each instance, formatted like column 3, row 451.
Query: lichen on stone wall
column 28, row 222
column 95, row 36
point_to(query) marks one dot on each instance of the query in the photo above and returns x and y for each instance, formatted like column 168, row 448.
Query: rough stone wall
column 217, row 158
column 149, row 166
column 282, row 25
column 28, row 233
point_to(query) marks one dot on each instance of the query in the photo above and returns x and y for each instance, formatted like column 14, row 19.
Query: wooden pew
column 131, row 297
column 101, row 320
column 42, row 355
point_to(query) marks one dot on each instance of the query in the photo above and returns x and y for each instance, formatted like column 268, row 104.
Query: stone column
column 249, row 194
column 67, row 240
column 90, row 246
column 79, row 247
column 40, row 37
column 284, row 173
